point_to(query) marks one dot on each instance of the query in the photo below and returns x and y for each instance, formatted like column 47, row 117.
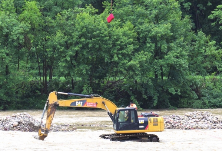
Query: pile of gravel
column 19, row 122
column 26, row 123
column 193, row 120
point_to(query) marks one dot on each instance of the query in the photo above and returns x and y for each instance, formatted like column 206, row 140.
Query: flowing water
column 92, row 123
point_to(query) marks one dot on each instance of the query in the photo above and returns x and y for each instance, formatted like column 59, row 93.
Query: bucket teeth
column 40, row 137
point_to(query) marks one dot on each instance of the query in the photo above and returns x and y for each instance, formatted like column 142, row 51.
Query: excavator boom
column 90, row 101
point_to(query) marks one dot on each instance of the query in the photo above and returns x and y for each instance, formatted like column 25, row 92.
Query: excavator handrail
column 75, row 94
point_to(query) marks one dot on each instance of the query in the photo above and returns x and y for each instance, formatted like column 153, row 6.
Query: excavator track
column 140, row 137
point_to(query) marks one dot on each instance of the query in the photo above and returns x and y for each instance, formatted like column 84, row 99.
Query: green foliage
column 31, row 14
column 217, row 15
column 205, row 56
column 151, row 54
column 207, row 92
column 7, row 6
column 159, row 59
column 212, row 96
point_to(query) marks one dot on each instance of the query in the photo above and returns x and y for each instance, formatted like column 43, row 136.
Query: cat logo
column 78, row 103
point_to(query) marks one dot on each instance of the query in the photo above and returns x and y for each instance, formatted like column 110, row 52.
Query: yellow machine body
column 121, row 125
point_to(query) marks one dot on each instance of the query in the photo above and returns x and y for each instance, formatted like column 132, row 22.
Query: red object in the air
column 110, row 18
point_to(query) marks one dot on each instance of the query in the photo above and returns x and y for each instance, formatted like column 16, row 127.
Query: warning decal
column 90, row 104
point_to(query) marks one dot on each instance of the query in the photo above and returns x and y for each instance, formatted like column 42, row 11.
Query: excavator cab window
column 116, row 116
column 126, row 119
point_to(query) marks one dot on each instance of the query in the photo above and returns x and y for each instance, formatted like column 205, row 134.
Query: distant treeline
column 155, row 53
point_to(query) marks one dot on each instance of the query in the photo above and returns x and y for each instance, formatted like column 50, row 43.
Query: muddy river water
column 86, row 137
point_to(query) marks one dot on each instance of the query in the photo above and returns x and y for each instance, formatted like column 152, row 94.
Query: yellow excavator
column 127, row 124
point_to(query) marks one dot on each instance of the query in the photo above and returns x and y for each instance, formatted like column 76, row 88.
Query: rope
column 111, row 6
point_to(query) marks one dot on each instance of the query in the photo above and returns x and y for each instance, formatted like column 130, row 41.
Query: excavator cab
column 125, row 119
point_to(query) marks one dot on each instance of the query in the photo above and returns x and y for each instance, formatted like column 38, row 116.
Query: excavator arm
column 89, row 101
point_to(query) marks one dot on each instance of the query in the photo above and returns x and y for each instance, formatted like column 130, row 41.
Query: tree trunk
column 72, row 84
column 44, row 76
column 50, row 72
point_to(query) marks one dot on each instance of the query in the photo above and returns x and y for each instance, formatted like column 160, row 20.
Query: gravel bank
column 86, row 136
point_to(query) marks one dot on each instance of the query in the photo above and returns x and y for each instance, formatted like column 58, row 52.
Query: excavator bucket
column 40, row 136
column 50, row 114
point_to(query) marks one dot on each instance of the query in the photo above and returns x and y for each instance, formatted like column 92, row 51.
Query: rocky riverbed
column 91, row 124
column 191, row 120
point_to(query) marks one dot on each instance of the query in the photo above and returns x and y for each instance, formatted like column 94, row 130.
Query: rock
column 193, row 120
column 15, row 124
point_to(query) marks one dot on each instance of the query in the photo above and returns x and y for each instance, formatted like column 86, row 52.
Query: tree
column 12, row 51
column 94, row 51
column 160, row 63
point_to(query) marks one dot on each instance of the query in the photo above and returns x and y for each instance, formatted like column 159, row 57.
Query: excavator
column 127, row 124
